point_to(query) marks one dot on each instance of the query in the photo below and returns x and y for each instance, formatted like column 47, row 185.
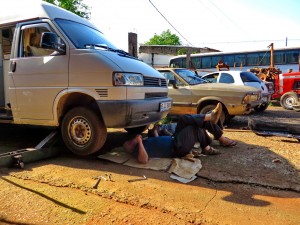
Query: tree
column 74, row 6
column 165, row 38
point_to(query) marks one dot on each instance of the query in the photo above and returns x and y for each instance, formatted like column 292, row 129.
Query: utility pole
column 132, row 44
column 271, row 46
column 188, row 59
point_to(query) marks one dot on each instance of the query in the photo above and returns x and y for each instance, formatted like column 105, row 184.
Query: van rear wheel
column 83, row 131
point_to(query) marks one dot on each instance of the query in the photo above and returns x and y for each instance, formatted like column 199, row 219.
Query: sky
column 231, row 25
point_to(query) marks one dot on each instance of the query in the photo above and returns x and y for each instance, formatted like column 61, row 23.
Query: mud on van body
column 57, row 69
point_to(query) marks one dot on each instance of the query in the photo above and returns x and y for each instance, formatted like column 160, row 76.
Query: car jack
column 18, row 158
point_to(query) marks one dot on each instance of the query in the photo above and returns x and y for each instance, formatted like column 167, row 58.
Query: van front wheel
column 83, row 131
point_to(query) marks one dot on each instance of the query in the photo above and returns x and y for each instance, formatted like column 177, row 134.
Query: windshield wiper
column 107, row 48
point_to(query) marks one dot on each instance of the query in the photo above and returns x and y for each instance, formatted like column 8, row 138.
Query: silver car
column 243, row 78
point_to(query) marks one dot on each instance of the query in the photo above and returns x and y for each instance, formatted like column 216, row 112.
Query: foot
column 210, row 151
column 216, row 113
column 226, row 142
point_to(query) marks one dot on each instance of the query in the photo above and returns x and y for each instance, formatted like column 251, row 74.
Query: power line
column 237, row 42
column 170, row 24
column 228, row 18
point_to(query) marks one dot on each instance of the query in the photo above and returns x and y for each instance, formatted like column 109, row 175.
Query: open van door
column 38, row 73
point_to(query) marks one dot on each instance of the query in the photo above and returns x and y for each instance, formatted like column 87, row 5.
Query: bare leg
column 142, row 155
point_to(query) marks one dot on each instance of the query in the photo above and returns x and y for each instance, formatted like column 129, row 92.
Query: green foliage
column 184, row 51
column 165, row 38
column 74, row 6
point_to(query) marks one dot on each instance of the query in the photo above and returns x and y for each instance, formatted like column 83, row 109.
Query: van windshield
column 82, row 35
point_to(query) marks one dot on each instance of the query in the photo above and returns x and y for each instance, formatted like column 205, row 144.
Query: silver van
column 57, row 69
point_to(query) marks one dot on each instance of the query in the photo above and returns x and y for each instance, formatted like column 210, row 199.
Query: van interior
column 6, row 39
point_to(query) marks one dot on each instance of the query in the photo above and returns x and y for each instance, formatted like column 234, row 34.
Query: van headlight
column 122, row 78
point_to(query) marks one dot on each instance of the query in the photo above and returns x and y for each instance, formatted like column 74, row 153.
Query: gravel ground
column 243, row 185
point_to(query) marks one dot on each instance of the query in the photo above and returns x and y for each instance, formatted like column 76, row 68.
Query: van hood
column 130, row 64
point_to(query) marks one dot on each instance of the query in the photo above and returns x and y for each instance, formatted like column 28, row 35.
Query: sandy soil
column 59, row 190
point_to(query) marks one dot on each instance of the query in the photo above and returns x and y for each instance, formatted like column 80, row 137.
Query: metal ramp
column 19, row 157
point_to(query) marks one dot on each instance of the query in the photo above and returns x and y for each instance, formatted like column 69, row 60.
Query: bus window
column 252, row 59
column 279, row 58
column 229, row 60
column 292, row 56
column 176, row 63
column 264, row 59
column 215, row 60
column 240, row 60
column 196, row 62
column 206, row 62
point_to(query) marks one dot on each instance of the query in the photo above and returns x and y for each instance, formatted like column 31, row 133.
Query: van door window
column 31, row 41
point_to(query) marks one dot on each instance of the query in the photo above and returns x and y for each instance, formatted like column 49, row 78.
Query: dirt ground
column 256, row 182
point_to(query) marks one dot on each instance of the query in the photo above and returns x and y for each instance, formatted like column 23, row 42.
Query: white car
column 243, row 78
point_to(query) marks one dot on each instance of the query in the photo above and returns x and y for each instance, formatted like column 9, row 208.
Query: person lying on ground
column 183, row 140
column 162, row 130
column 201, row 121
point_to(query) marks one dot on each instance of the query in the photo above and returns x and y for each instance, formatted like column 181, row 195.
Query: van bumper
column 132, row 113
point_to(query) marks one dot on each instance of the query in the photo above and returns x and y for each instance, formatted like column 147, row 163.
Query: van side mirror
column 173, row 83
column 49, row 40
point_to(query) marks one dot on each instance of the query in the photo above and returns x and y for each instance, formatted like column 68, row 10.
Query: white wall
column 157, row 60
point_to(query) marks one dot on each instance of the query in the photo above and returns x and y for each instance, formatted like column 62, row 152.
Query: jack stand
column 18, row 158
column 18, row 161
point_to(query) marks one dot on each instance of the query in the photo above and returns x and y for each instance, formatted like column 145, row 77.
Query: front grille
column 297, row 85
column 155, row 82
column 156, row 95
column 102, row 93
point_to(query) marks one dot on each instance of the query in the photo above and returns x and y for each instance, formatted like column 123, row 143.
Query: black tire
column 262, row 107
column 209, row 108
column 136, row 130
column 288, row 99
column 83, row 131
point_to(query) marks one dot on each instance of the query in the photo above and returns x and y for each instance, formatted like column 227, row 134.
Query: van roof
column 14, row 11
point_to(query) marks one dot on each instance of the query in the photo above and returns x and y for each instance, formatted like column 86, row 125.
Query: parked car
column 191, row 94
column 244, row 78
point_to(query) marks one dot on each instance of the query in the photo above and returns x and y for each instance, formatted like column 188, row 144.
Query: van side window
column 31, row 42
